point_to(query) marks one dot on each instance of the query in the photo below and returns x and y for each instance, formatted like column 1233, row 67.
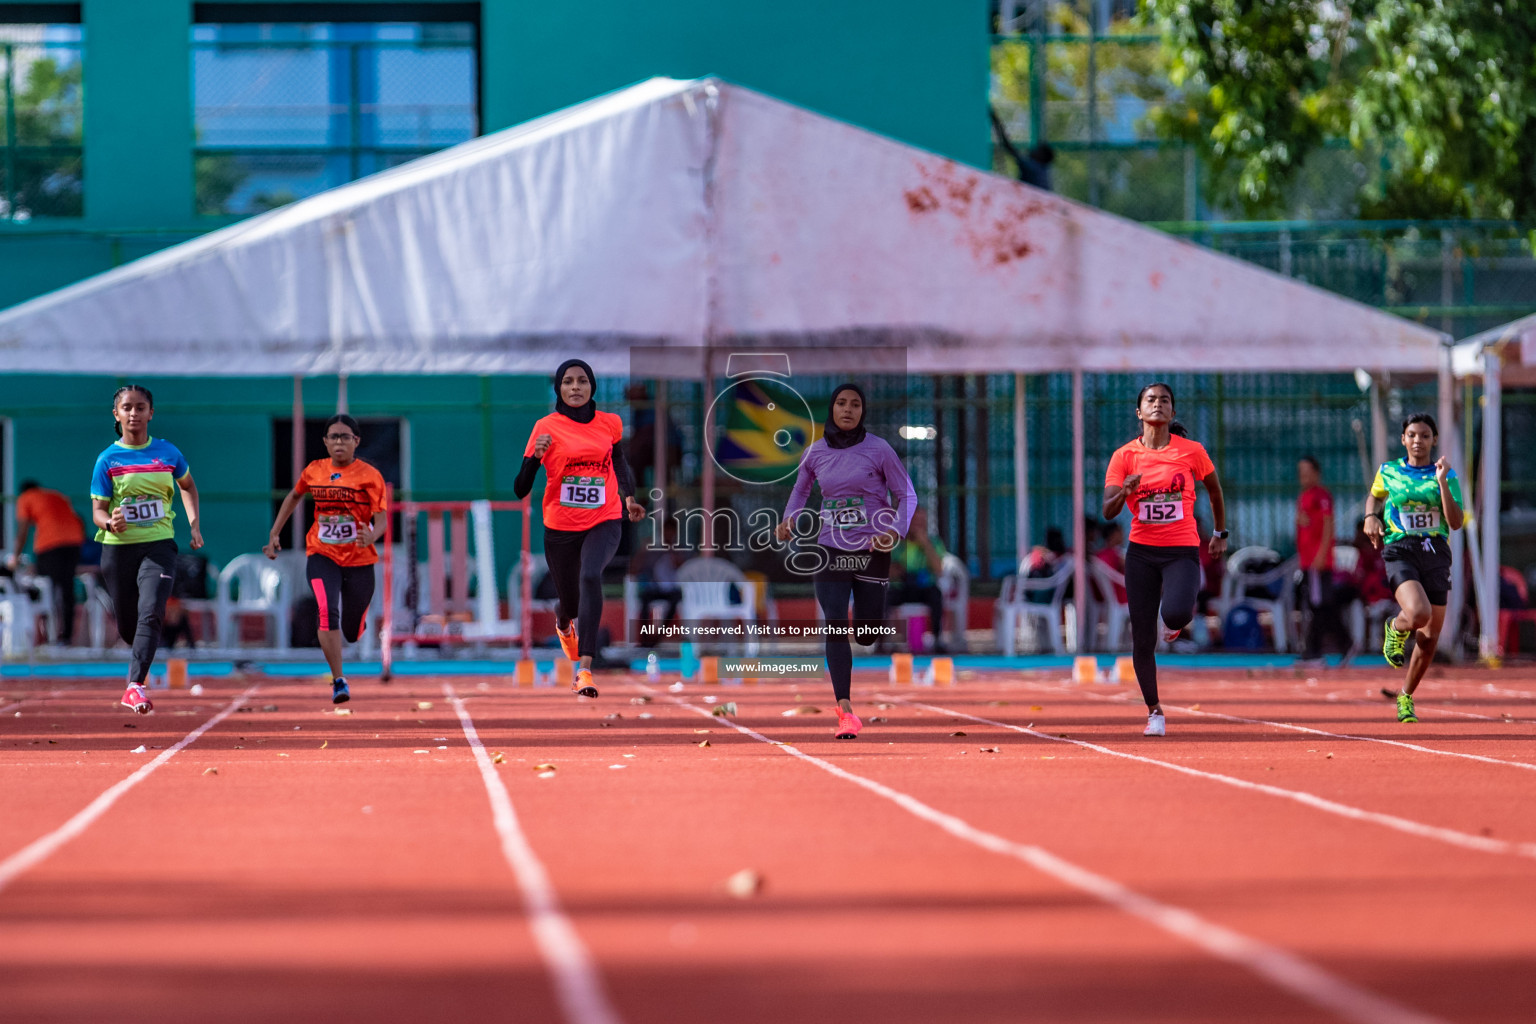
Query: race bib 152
column 1160, row 511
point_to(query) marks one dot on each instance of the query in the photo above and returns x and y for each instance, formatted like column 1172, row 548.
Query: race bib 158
column 583, row 491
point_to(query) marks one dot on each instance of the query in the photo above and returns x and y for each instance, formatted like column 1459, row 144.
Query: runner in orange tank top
column 586, row 475
column 1155, row 475
column 349, row 514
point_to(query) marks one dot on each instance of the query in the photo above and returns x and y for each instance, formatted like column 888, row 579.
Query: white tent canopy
column 698, row 217
column 686, row 213
column 1500, row 356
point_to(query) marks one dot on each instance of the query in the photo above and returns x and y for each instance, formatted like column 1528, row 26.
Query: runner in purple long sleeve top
column 858, row 474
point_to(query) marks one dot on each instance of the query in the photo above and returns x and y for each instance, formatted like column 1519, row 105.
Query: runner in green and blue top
column 1414, row 505
column 131, row 496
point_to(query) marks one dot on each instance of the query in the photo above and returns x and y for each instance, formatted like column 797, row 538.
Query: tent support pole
column 707, row 476
column 1079, row 516
column 1488, row 639
column 659, row 457
column 341, row 393
column 1020, row 470
column 1451, row 448
column 1378, row 422
column 296, row 450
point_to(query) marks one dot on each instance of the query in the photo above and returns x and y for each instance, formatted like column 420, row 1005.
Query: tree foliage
column 1443, row 90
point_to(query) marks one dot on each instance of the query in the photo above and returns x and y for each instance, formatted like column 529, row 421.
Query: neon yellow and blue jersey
column 1413, row 499
column 141, row 478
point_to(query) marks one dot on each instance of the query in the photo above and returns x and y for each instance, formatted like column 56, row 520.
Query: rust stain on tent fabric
column 994, row 231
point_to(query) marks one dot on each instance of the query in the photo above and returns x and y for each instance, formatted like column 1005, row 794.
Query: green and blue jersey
column 141, row 479
column 1413, row 500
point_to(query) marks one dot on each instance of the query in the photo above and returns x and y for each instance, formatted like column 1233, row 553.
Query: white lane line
column 1283, row 969
column 1465, row 840
column 39, row 698
column 41, row 849
column 577, row 985
column 1324, row 732
column 1351, row 736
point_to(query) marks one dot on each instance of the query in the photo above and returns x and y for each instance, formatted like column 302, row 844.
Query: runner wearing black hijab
column 586, row 474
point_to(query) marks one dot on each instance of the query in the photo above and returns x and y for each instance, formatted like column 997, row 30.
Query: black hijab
column 830, row 432
column 579, row 413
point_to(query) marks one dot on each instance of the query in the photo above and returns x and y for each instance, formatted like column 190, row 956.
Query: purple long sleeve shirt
column 856, row 488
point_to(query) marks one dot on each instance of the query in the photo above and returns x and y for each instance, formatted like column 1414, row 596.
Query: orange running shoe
column 568, row 640
column 848, row 726
column 583, row 684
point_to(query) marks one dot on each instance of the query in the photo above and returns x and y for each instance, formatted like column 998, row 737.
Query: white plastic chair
column 1240, row 579
column 1014, row 609
column 1361, row 620
column 955, row 585
column 706, row 585
column 40, row 606
column 632, row 610
column 253, row 584
column 1106, row 608
column 18, row 620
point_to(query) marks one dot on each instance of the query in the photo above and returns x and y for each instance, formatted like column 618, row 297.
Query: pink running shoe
column 848, row 726
column 135, row 699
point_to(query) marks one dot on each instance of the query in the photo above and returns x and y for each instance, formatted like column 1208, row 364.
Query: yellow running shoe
column 1394, row 646
column 1405, row 708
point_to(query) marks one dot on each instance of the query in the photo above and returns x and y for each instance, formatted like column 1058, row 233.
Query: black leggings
column 1156, row 576
column 867, row 586
column 58, row 564
column 139, row 579
column 576, row 560
column 344, row 593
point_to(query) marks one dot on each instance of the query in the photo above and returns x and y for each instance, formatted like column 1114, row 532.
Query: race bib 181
column 337, row 529
column 142, row 511
column 583, row 491
column 1419, row 520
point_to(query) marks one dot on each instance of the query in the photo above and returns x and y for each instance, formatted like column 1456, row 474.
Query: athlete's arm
column 1375, row 504
column 1326, row 546
column 290, row 502
column 524, row 482
column 1116, row 497
column 624, row 476
column 896, row 477
column 189, row 502
column 113, row 521
column 23, row 529
column 797, row 499
column 1218, row 511
column 1453, row 514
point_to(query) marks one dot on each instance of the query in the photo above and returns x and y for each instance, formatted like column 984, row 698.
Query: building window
column 284, row 111
column 41, row 160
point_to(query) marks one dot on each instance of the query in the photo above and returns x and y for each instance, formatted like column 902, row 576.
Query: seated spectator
column 915, row 572
column 1112, row 555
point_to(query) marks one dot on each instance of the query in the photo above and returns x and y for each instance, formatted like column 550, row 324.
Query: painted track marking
column 577, row 985
column 42, row 848
column 1285, row 970
column 1465, row 840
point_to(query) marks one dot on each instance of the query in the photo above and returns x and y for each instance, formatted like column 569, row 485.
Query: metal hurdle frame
column 452, row 518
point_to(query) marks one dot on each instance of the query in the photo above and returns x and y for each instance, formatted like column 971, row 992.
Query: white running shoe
column 1157, row 725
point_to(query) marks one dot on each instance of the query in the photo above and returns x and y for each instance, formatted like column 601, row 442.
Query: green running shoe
column 1395, row 646
column 1405, row 708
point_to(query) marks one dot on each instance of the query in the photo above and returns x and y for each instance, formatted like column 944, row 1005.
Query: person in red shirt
column 1314, row 551
column 1154, row 475
column 349, row 515
column 55, row 548
column 582, row 452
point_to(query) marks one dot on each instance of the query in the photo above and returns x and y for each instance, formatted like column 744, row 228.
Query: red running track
column 1270, row 860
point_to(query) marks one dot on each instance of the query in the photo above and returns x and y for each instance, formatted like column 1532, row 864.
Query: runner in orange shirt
column 582, row 452
column 1155, row 474
column 55, row 548
column 349, row 515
